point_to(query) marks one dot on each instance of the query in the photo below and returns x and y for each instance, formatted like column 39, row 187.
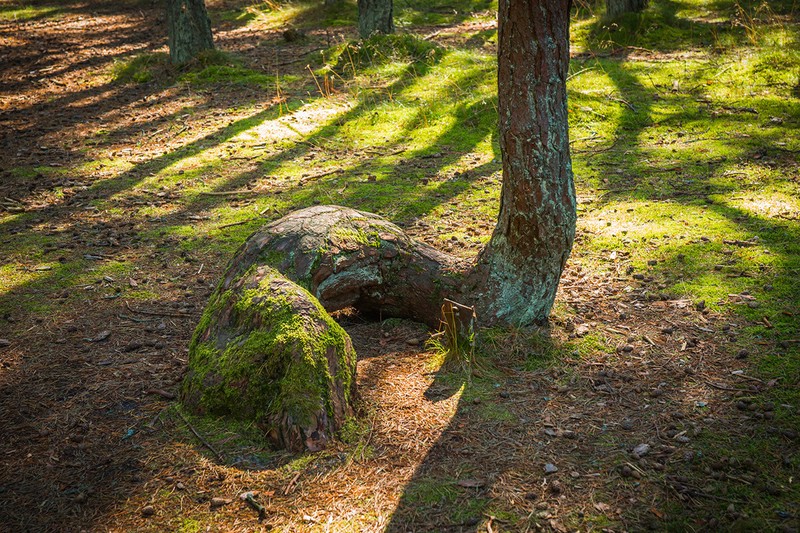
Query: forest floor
column 663, row 396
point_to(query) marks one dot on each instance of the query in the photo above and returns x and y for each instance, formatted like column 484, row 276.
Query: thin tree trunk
column 375, row 16
column 189, row 30
column 519, row 271
column 615, row 8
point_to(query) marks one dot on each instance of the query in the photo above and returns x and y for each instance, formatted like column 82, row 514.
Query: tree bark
column 375, row 16
column 615, row 8
column 189, row 30
column 518, row 272
column 348, row 258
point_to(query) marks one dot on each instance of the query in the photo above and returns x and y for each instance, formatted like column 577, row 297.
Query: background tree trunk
column 375, row 16
column 189, row 30
column 520, row 268
column 615, row 8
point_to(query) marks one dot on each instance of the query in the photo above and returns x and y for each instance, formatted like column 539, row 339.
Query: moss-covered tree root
column 266, row 351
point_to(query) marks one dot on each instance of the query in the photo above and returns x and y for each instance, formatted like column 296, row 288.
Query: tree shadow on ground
column 453, row 486
column 696, row 185
column 585, row 414
column 673, row 187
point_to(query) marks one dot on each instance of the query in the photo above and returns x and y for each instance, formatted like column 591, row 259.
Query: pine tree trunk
column 189, row 30
column 615, row 8
column 519, row 270
column 375, row 16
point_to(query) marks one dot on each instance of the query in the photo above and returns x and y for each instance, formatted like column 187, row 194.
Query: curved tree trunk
column 266, row 349
column 519, row 270
column 375, row 16
column 189, row 30
column 348, row 258
column 615, row 8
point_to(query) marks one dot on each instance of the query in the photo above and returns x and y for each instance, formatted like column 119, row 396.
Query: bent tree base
column 266, row 348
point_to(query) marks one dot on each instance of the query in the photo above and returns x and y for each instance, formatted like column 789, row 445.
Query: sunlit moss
column 17, row 13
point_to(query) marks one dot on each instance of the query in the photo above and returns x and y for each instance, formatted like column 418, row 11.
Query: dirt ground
column 622, row 441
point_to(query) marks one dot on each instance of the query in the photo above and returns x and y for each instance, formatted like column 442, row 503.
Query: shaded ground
column 112, row 243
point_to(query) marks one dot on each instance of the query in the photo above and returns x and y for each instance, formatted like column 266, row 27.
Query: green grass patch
column 228, row 75
column 139, row 69
column 431, row 491
column 380, row 50
column 18, row 13
column 241, row 444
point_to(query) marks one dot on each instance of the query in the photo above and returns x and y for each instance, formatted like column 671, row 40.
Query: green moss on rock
column 265, row 350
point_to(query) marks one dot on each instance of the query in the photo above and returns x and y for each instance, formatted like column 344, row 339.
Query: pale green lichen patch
column 346, row 237
column 266, row 350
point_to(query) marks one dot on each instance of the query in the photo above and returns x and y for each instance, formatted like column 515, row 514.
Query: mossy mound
column 266, row 351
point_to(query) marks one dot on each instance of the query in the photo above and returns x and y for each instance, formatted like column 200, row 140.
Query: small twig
column 257, row 507
column 164, row 394
column 157, row 313
column 639, row 49
column 598, row 150
column 155, row 133
column 431, row 35
column 634, row 467
column 201, row 439
column 240, row 223
column 152, row 423
column 134, row 319
column 229, row 193
column 623, row 101
column 740, row 480
column 723, row 387
column 589, row 138
column 292, row 482
column 745, row 376
column 692, row 491
column 320, row 175
column 576, row 74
